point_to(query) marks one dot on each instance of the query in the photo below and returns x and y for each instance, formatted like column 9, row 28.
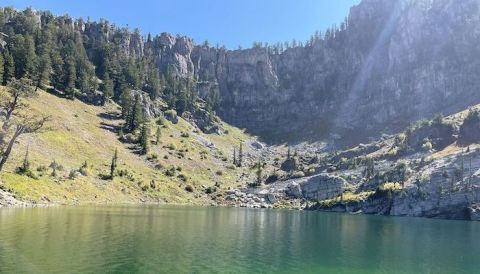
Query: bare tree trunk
column 7, row 152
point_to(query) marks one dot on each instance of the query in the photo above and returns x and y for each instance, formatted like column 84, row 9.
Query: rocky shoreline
column 7, row 199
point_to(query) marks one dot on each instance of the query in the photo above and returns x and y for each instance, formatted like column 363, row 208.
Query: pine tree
column 240, row 155
column 57, row 64
column 107, row 88
column 136, row 115
column 26, row 162
column 70, row 78
column 158, row 135
column 126, row 101
column 234, row 155
column 113, row 165
column 30, row 56
column 9, row 71
column 259, row 173
column 154, row 84
column 144, row 139
column 43, row 70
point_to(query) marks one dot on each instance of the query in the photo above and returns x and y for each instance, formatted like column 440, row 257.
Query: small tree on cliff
column 15, row 116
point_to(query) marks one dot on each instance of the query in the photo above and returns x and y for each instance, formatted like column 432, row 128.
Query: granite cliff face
column 390, row 63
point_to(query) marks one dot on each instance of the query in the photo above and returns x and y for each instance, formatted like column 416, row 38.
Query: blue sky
column 227, row 22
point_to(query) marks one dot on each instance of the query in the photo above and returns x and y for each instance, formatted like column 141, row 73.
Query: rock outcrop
column 390, row 63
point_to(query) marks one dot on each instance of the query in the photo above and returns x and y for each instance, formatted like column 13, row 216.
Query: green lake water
column 173, row 239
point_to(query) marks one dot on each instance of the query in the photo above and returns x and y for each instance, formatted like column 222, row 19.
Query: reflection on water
column 168, row 239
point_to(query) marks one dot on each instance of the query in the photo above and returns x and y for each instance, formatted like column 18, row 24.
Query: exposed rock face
column 322, row 187
column 395, row 62
column 391, row 63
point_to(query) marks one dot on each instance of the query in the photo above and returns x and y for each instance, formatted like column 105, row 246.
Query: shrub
column 84, row 169
column 272, row 178
column 152, row 157
column 219, row 172
column 189, row 188
column 182, row 177
column 170, row 172
column 171, row 115
column 298, row 174
column 427, row 145
column 185, row 134
column 210, row 190
column 73, row 174
column 171, row 146
column 26, row 172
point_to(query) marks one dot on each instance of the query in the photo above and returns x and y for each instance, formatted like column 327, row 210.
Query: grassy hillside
column 78, row 132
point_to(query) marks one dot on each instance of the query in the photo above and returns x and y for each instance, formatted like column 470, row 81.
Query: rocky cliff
column 390, row 63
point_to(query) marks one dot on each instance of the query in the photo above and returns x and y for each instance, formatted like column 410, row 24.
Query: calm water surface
column 167, row 239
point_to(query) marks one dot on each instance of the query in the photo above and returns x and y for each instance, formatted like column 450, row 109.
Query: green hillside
column 181, row 169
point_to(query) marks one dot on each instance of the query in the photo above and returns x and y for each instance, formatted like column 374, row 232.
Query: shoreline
column 21, row 204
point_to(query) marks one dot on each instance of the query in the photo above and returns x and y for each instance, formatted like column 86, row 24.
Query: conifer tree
column 107, row 88
column 9, row 67
column 154, row 84
column 136, row 115
column 240, row 155
column 113, row 165
column 26, row 162
column 70, row 78
column 144, row 139
column 43, row 70
column 158, row 134
column 30, row 57
column 234, row 155
column 259, row 173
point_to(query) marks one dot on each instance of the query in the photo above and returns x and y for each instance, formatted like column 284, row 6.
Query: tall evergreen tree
column 137, row 115
column 158, row 135
column 26, row 161
column 30, row 56
column 154, row 84
column 107, row 88
column 113, row 165
column 127, row 105
column 145, row 139
column 58, row 65
column 9, row 71
column 259, row 174
column 234, row 156
column 70, row 78
column 240, row 155
column 44, row 70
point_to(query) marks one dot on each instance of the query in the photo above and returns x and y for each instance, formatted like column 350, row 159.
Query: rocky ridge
column 390, row 63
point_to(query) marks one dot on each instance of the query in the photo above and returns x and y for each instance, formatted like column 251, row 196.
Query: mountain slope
column 78, row 132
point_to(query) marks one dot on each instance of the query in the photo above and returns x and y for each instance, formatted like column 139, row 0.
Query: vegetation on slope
column 81, row 139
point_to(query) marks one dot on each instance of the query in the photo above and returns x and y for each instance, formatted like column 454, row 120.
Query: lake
column 175, row 239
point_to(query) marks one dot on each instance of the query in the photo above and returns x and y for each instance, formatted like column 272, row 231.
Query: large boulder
column 318, row 187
